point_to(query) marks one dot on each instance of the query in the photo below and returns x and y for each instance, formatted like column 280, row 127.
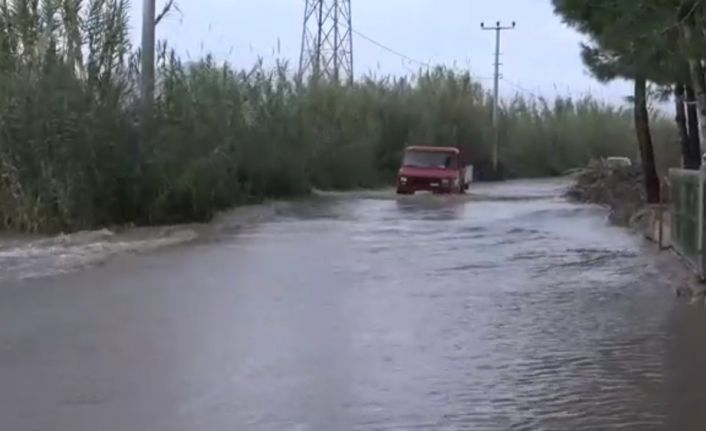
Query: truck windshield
column 430, row 159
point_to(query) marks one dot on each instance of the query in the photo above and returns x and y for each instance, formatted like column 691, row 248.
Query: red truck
column 433, row 169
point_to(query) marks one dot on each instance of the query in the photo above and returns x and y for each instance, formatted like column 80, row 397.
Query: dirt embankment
column 620, row 189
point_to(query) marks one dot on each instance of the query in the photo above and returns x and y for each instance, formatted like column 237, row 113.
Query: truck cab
column 433, row 169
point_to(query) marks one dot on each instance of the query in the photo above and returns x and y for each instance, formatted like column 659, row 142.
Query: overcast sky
column 541, row 55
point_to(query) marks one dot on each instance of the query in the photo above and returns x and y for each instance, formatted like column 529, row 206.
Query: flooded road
column 508, row 310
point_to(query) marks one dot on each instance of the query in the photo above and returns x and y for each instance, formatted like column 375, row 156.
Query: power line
column 392, row 50
column 310, row 11
column 404, row 56
column 521, row 88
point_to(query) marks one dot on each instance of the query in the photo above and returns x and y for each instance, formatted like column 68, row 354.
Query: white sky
column 541, row 55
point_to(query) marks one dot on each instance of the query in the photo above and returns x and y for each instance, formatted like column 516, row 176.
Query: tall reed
column 73, row 154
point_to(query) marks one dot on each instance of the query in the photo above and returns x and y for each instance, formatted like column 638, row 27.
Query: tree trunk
column 693, row 124
column 680, row 109
column 696, row 71
column 697, row 76
column 644, row 140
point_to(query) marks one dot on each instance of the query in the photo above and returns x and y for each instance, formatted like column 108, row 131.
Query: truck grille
column 421, row 182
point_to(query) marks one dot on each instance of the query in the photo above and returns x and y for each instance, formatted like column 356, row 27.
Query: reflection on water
column 484, row 312
column 433, row 208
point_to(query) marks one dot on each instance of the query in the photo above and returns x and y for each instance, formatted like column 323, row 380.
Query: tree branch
column 171, row 4
column 686, row 10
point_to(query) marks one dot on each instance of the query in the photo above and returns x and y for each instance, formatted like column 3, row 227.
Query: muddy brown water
column 509, row 310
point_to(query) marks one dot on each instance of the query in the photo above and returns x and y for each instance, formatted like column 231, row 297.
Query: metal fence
column 687, row 216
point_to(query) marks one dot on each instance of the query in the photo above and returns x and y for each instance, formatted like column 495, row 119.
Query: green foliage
column 73, row 154
column 629, row 38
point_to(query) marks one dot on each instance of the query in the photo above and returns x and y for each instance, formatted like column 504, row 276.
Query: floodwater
column 511, row 309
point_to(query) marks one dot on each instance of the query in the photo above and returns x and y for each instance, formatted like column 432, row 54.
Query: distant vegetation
column 72, row 156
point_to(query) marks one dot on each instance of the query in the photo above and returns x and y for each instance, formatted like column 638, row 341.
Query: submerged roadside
column 621, row 191
column 24, row 256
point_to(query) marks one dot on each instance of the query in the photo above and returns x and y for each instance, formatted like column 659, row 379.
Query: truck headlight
column 445, row 182
column 403, row 180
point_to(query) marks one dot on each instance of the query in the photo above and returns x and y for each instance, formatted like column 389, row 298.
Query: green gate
column 687, row 211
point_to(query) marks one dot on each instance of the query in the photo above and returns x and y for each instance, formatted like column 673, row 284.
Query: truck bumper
column 409, row 189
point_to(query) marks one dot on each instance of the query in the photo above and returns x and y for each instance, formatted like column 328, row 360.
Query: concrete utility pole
column 497, row 28
column 148, row 53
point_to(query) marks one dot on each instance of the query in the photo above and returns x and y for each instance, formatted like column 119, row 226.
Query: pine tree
column 623, row 46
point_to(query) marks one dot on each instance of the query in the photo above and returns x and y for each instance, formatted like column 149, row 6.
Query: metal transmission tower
column 327, row 40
